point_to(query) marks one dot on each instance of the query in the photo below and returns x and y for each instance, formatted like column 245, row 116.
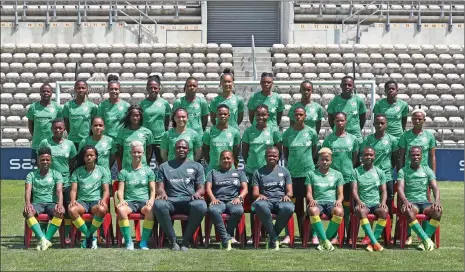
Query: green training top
column 425, row 140
column 112, row 114
column 258, row 141
column 195, row 109
column 170, row 138
column 79, row 117
column 300, row 143
column 127, row 136
column 42, row 118
column 105, row 148
column 136, row 183
column 324, row 187
column 342, row 148
column 218, row 141
column 352, row 107
column 44, row 187
column 155, row 113
column 368, row 184
column 235, row 104
column 274, row 102
column 394, row 113
column 416, row 182
column 314, row 111
column 61, row 154
column 90, row 184
column 383, row 148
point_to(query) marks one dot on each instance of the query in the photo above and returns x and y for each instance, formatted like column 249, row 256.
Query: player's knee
column 237, row 211
column 213, row 209
column 101, row 210
column 287, row 207
column 436, row 215
column 160, row 205
column 73, row 211
column 260, row 205
column 199, row 206
column 381, row 213
column 314, row 211
column 28, row 215
column 338, row 211
column 122, row 212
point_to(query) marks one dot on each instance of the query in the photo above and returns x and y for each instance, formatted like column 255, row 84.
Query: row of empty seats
column 313, row 8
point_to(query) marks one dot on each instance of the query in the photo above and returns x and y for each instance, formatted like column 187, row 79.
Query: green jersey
column 258, row 141
column 425, row 140
column 313, row 110
column 42, row 118
column 416, row 182
column 181, row 178
column 106, row 147
column 274, row 102
column 368, row 183
column 342, row 148
column 44, row 187
column 90, row 184
column 394, row 114
column 196, row 110
column 112, row 114
column 61, row 154
column 300, row 144
column 324, row 187
column 79, row 117
column 170, row 138
column 352, row 107
column 136, row 183
column 218, row 141
column 155, row 113
column 235, row 104
column 127, row 136
column 383, row 151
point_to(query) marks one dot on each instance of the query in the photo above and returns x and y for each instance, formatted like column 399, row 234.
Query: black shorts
column 298, row 187
column 136, row 205
column 421, row 206
column 44, row 207
column 326, row 208
column 66, row 198
column 372, row 208
column 347, row 190
column 157, row 151
column 88, row 205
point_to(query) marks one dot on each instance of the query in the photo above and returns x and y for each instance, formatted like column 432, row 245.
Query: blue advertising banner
column 16, row 163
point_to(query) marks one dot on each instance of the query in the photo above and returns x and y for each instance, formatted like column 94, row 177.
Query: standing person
column 299, row 148
column 136, row 194
column 395, row 109
column 369, row 184
column 157, row 112
column 133, row 130
column 325, row 196
column 267, row 97
column 226, row 188
column 387, row 153
column 255, row 140
column 314, row 111
column 43, row 194
column 197, row 107
column 177, row 132
column 64, row 153
column 90, row 193
column 344, row 147
column 227, row 97
column 414, row 181
column 180, row 189
column 219, row 138
column 78, row 114
column 352, row 105
column 40, row 115
column 272, row 191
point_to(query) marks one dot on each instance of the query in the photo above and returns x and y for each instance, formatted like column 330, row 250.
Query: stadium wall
column 16, row 164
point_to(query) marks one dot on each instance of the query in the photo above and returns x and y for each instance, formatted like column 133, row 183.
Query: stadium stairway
column 243, row 65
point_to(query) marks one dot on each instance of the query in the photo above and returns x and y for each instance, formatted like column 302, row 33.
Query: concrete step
column 246, row 63
column 257, row 55
column 240, row 59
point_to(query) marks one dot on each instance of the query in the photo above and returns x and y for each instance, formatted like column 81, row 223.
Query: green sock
column 313, row 232
column 53, row 227
column 317, row 227
column 418, row 230
column 96, row 223
column 125, row 230
column 431, row 226
column 35, row 227
column 333, row 226
column 43, row 227
column 367, row 228
column 379, row 228
column 409, row 231
column 147, row 227
column 81, row 225
column 67, row 227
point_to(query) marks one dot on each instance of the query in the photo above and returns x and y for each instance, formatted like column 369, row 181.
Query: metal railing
column 254, row 65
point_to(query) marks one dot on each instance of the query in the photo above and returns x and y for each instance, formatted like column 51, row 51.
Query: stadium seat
column 431, row 58
column 392, row 68
column 406, row 68
column 35, row 57
column 6, row 57
column 458, row 59
column 88, row 57
column 62, row 48
column 439, row 78
column 445, row 58
column 198, row 57
column 295, row 68
column 348, row 57
column 360, row 48
column 143, row 57
column 322, row 67
column 427, row 48
column 10, row 133
column 346, row 48
column 7, row 142
column 441, row 49
column 226, row 48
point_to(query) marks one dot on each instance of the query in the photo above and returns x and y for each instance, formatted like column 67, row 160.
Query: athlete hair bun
column 228, row 71
column 113, row 78
column 154, row 78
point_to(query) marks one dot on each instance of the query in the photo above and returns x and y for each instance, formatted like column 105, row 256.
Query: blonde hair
column 325, row 150
column 137, row 143
column 419, row 110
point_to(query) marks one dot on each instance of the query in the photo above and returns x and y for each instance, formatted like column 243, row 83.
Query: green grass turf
column 14, row 257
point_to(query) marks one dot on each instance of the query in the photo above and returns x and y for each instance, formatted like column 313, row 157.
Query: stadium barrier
column 16, row 164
